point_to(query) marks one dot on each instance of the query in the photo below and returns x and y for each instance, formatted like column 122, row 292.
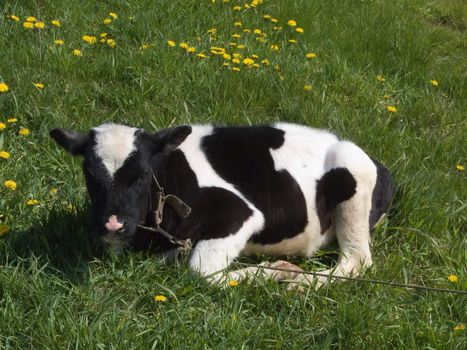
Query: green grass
column 58, row 291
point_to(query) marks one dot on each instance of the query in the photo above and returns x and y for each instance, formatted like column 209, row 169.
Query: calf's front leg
column 211, row 256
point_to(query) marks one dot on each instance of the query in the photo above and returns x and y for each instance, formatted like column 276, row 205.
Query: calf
column 281, row 189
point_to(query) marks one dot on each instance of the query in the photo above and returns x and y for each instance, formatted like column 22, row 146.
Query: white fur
column 114, row 143
column 351, row 217
column 302, row 155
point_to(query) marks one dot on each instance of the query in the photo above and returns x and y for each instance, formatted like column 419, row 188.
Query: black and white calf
column 282, row 189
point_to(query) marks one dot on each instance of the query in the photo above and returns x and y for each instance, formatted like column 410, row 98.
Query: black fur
column 241, row 156
column 334, row 187
column 382, row 193
column 215, row 213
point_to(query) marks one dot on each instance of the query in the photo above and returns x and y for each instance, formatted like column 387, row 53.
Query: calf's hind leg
column 344, row 196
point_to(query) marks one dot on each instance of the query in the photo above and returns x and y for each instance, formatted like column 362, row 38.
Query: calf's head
column 118, row 171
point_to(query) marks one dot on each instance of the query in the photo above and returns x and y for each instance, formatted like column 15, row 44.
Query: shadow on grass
column 62, row 243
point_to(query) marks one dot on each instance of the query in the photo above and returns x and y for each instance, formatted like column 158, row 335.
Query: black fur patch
column 215, row 212
column 382, row 193
column 241, row 156
column 334, row 187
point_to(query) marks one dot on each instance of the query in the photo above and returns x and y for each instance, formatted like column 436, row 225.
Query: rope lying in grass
column 373, row 281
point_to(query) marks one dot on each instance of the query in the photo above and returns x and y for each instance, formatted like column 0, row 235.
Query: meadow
column 389, row 75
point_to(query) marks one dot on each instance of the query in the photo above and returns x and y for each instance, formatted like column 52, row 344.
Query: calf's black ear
column 73, row 141
column 168, row 139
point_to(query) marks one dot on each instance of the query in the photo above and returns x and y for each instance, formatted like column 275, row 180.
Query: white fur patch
column 302, row 155
column 114, row 143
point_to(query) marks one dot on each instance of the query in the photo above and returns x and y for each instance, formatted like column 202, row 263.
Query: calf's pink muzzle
column 113, row 224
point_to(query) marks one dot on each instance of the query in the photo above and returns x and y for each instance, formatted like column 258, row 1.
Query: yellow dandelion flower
column 257, row 31
column 90, row 39
column 255, row 65
column 459, row 327
column 453, row 278
column 238, row 24
column 307, row 87
column 246, row 30
column 291, row 23
column 14, row 18
column 292, row 41
column 248, row 62
column 226, row 56
column 380, row 77
column 111, row 42
column 59, row 42
column 4, row 229
column 299, row 30
column 171, row 43
column 103, row 35
column 236, row 36
column 77, row 52
column 236, row 69
column 201, row 55
column 184, row 46
column 233, row 283
column 255, row 56
column 391, row 109
column 226, row 64
column 2, row 126
column 212, row 31
column 28, row 25
column 113, row 15
column 460, row 167
column 10, row 184
column 235, row 60
column 267, row 16
column 265, row 62
column 191, row 49
column 274, row 20
column 434, row 82
column 386, row 97
column 24, row 132
column 107, row 21
column 4, row 154
column 160, row 298
column 276, row 28
column 39, row 25
column 39, row 85
column 70, row 208
column 232, row 44
column 310, row 55
column 56, row 23
column 31, row 19
column 53, row 190
column 217, row 50
column 12, row 120
column 146, row 46
column 4, row 87
column 241, row 47
column 274, row 47
column 236, row 8
column 32, row 202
